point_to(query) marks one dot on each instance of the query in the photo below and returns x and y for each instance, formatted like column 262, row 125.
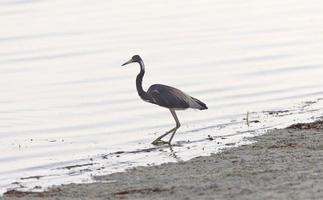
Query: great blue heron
column 165, row 96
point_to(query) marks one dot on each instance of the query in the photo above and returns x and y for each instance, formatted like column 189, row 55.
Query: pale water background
column 69, row 111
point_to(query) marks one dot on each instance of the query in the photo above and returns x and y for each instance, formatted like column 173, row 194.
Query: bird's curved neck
column 141, row 74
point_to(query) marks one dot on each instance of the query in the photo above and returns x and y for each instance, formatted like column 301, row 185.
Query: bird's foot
column 159, row 142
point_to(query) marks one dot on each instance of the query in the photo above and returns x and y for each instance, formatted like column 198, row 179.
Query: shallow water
column 69, row 111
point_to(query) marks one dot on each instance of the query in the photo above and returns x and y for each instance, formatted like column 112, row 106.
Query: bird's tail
column 200, row 104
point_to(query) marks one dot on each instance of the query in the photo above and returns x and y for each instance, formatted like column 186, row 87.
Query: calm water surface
column 68, row 110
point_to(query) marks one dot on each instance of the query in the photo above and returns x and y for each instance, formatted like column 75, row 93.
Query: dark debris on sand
column 303, row 126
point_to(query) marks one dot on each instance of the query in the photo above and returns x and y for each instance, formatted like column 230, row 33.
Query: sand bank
column 282, row 164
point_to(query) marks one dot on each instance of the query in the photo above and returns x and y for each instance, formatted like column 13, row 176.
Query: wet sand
column 282, row 164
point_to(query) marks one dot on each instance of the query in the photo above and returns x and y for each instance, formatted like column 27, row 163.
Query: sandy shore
column 283, row 164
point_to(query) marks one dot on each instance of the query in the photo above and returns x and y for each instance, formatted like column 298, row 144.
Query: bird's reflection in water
column 173, row 154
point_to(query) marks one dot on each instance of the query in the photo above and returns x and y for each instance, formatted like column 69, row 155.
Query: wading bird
column 165, row 96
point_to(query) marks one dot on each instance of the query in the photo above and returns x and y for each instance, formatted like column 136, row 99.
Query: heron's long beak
column 130, row 61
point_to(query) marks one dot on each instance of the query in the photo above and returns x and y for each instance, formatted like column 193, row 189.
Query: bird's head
column 135, row 58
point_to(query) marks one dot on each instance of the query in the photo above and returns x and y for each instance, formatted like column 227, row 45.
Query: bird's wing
column 168, row 97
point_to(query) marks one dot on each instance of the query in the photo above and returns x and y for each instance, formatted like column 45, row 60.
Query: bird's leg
column 158, row 140
column 177, row 125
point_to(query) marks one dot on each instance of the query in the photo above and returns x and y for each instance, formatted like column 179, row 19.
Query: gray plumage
column 165, row 96
column 173, row 98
